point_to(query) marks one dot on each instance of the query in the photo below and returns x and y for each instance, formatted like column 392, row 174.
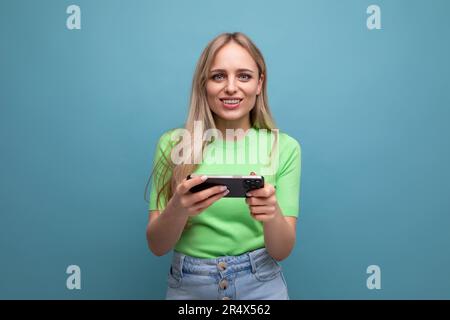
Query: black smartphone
column 238, row 185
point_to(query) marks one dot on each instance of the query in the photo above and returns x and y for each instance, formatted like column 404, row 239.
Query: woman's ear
column 260, row 83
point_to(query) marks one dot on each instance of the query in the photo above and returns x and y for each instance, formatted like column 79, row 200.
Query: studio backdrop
column 88, row 87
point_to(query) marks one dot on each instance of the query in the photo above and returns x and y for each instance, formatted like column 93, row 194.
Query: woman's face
column 232, row 86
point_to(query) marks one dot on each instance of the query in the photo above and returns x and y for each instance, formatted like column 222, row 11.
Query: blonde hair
column 260, row 116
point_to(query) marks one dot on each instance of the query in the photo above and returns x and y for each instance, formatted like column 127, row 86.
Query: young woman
column 226, row 248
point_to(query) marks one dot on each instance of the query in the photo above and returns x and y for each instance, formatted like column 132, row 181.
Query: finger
column 264, row 192
column 261, row 209
column 206, row 203
column 256, row 201
column 205, row 194
column 261, row 217
column 187, row 184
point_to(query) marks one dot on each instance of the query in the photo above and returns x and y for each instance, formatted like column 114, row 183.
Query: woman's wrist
column 276, row 217
column 176, row 212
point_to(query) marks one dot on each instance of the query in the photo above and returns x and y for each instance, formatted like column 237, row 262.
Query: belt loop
column 181, row 265
column 177, row 264
column 252, row 262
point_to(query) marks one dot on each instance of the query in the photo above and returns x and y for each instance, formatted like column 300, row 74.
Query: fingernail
column 203, row 178
column 226, row 192
column 248, row 194
column 223, row 188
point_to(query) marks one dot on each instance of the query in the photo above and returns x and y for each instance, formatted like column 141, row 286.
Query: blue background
column 81, row 112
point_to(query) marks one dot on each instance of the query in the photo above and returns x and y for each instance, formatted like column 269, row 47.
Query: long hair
column 199, row 110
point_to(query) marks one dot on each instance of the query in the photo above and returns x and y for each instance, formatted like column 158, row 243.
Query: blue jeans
column 254, row 275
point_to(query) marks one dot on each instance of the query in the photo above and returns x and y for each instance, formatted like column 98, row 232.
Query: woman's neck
column 223, row 125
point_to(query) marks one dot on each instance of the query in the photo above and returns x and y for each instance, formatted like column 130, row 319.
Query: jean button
column 222, row 266
column 223, row 284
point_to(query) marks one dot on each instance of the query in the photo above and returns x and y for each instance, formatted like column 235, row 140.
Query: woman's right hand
column 192, row 204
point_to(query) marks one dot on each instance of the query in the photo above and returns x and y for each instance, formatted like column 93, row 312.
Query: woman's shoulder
column 169, row 137
column 288, row 142
column 287, row 145
column 289, row 151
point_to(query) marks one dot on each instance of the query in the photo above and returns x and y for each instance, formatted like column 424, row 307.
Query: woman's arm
column 279, row 235
column 165, row 229
column 279, row 231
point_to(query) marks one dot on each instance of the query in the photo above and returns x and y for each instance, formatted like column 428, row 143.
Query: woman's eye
column 218, row 76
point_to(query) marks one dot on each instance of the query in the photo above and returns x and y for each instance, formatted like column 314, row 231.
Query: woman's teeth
column 231, row 101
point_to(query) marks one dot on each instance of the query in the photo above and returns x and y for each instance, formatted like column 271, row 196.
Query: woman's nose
column 231, row 86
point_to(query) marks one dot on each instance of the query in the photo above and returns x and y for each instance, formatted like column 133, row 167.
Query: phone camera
column 252, row 183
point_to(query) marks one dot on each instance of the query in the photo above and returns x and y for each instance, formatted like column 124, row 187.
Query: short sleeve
column 160, row 172
column 288, row 176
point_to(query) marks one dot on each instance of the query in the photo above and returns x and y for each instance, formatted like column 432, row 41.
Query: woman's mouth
column 231, row 103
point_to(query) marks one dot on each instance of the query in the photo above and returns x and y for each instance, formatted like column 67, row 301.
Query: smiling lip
column 231, row 106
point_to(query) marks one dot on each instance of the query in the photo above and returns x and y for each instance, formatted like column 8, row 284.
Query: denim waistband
column 183, row 264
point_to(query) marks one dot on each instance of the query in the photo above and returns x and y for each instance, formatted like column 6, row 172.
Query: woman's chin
column 230, row 116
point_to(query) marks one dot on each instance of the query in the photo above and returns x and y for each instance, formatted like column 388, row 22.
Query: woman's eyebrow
column 239, row 70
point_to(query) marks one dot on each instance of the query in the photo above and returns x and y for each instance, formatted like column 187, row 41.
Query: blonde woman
column 226, row 247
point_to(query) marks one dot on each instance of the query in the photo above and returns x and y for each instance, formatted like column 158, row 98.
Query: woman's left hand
column 263, row 203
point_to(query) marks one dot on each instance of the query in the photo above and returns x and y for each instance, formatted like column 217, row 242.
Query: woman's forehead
column 233, row 56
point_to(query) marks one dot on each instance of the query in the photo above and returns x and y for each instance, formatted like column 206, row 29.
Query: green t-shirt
column 226, row 227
